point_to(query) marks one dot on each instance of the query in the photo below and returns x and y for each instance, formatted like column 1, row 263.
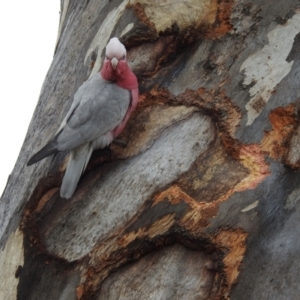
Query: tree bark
column 202, row 203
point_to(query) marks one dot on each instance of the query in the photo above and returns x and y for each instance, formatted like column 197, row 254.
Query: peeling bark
column 202, row 203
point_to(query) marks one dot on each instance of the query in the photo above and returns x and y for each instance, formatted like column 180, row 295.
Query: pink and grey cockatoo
column 99, row 112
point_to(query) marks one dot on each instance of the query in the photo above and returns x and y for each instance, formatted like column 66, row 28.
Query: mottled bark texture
column 202, row 203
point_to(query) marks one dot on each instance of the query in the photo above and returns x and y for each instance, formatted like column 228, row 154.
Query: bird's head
column 115, row 67
column 115, row 62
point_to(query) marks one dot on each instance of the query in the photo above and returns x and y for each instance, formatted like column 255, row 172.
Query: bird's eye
column 107, row 57
column 123, row 57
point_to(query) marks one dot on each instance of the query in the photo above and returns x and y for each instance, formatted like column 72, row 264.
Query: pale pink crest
column 115, row 48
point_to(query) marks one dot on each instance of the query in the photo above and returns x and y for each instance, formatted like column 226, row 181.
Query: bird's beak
column 114, row 62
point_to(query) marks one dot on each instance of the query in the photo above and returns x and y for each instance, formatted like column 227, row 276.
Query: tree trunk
column 202, row 203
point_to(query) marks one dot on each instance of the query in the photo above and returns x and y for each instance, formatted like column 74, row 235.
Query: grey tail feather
column 78, row 161
column 49, row 149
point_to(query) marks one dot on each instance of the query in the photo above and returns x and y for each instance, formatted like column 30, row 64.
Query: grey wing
column 80, row 96
column 98, row 107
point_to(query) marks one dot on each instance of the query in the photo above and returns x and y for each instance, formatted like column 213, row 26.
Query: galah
column 100, row 110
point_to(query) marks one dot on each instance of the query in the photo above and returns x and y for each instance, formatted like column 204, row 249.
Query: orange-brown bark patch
column 155, row 96
column 198, row 214
column 161, row 226
column 233, row 243
column 140, row 13
column 222, row 24
column 46, row 197
column 79, row 291
column 283, row 120
column 197, row 219
column 253, row 159
column 174, row 195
